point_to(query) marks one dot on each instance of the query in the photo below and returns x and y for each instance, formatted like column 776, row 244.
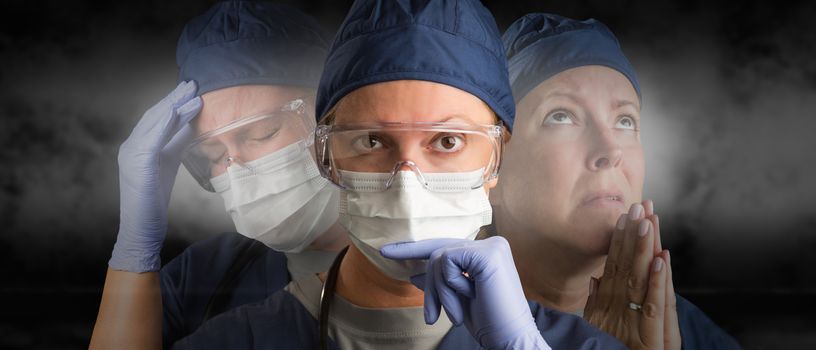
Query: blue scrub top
column 282, row 322
column 190, row 280
column 697, row 331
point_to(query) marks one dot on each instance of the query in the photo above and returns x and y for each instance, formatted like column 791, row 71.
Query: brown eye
column 366, row 143
column 449, row 143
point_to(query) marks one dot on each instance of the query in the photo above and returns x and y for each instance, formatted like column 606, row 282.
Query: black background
column 729, row 128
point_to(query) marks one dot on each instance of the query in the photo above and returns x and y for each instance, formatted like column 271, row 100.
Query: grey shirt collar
column 364, row 327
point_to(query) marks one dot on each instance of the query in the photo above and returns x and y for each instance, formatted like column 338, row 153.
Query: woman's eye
column 449, row 143
column 558, row 117
column 263, row 134
column 626, row 122
column 265, row 137
column 367, row 143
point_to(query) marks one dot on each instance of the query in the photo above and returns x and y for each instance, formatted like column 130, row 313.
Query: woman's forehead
column 587, row 82
column 412, row 101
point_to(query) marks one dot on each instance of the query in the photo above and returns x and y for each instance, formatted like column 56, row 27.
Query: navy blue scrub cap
column 456, row 43
column 246, row 43
column 540, row 45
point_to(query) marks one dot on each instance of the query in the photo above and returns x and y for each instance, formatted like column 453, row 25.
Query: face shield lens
column 429, row 151
column 244, row 141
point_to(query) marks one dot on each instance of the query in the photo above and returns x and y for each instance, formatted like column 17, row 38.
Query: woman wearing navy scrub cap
column 241, row 121
column 413, row 103
column 584, row 240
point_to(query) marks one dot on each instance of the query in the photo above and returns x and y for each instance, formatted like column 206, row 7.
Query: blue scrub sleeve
column 700, row 332
column 567, row 331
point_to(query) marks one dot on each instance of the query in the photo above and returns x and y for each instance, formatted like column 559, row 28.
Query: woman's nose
column 409, row 157
column 230, row 160
column 606, row 153
column 234, row 156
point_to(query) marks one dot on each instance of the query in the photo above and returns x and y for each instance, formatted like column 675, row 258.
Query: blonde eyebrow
column 621, row 103
column 459, row 117
column 562, row 94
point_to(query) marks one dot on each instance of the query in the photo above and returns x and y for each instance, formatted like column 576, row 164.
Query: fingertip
column 636, row 211
column 432, row 305
column 190, row 109
column 621, row 224
column 421, row 249
column 187, row 85
column 649, row 206
column 396, row 250
column 454, row 317
column 644, row 227
column 429, row 317
column 498, row 240
column 387, row 250
column 185, row 90
column 657, row 265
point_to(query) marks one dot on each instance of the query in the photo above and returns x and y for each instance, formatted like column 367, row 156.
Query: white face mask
column 409, row 212
column 279, row 199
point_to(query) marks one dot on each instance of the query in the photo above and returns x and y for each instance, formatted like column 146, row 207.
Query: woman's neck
column 333, row 240
column 364, row 285
column 557, row 279
column 551, row 274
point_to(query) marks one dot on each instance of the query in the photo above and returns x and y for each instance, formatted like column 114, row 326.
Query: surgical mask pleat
column 408, row 211
column 282, row 201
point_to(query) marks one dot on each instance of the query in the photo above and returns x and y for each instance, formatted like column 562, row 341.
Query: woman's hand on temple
column 634, row 300
column 148, row 163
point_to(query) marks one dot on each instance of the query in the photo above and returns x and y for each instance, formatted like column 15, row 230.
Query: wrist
column 135, row 255
column 521, row 330
column 528, row 338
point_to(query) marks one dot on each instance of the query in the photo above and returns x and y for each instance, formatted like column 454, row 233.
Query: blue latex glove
column 489, row 300
column 148, row 163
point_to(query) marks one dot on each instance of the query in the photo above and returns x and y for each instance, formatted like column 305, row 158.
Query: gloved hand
column 488, row 299
column 148, row 163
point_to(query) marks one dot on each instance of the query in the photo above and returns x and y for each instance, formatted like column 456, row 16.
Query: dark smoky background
column 729, row 128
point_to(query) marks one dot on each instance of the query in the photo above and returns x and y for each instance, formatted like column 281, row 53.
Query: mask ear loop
column 415, row 170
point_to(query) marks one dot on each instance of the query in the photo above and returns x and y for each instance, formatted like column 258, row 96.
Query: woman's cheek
column 635, row 171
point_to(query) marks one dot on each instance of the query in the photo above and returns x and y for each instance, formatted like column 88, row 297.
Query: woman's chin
column 593, row 238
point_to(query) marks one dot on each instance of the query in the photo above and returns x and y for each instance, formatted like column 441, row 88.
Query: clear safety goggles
column 344, row 152
column 247, row 139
